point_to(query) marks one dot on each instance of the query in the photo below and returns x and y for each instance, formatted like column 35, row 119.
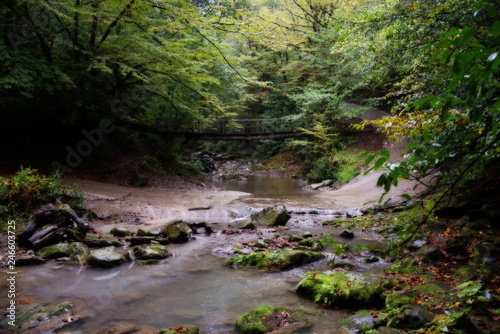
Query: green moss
column 253, row 259
column 37, row 314
column 80, row 253
column 297, row 317
column 26, row 313
column 312, row 243
column 102, row 258
column 179, row 330
column 346, row 289
column 363, row 321
column 253, row 322
column 156, row 252
column 120, row 232
column 56, row 251
column 402, row 298
column 96, row 240
column 282, row 259
column 405, row 266
column 59, row 309
column 148, row 262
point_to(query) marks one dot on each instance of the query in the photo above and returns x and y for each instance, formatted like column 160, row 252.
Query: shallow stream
column 193, row 287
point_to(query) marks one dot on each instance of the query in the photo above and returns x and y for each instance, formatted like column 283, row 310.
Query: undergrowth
column 25, row 191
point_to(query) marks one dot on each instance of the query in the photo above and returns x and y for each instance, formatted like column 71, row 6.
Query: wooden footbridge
column 246, row 129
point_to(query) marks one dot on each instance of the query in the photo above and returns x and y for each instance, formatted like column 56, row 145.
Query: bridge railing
column 251, row 126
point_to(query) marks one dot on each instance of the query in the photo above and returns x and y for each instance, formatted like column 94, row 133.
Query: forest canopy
column 67, row 65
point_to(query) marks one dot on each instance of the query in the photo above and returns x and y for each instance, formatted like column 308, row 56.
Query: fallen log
column 52, row 225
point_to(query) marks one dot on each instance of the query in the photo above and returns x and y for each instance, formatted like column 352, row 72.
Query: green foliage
column 25, row 191
column 347, row 172
column 65, row 65
column 406, row 266
column 459, row 128
column 268, row 148
column 322, row 169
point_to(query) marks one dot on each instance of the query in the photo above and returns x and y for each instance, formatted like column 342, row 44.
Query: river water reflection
column 261, row 186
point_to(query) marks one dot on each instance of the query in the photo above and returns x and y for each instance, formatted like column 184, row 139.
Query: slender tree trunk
column 94, row 25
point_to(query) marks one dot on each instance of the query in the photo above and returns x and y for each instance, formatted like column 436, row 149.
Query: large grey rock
column 246, row 225
column 325, row 183
column 362, row 322
column 97, row 241
column 80, row 253
column 35, row 318
column 56, row 251
column 347, row 234
column 177, row 230
column 271, row 216
column 105, row 258
column 121, row 232
column 29, row 261
column 151, row 252
column 141, row 240
column 414, row 317
column 431, row 253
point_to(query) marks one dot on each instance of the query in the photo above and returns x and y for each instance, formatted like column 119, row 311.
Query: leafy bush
column 340, row 166
column 268, row 148
column 347, row 172
column 26, row 190
column 322, row 169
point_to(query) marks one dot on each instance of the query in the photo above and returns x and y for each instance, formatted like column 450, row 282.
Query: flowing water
column 193, row 287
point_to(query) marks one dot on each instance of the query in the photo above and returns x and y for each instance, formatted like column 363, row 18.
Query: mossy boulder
column 177, row 231
column 271, row 216
column 142, row 233
column 484, row 253
column 414, row 317
column 312, row 243
column 121, row 232
column 280, row 260
column 151, row 252
column 141, row 240
column 362, row 321
column 56, row 251
column 265, row 319
column 347, row 234
column 181, row 329
column 40, row 318
column 98, row 241
column 29, row 261
column 80, row 253
column 295, row 238
column 402, row 298
column 149, row 262
column 246, row 224
column 430, row 253
column 105, row 258
column 348, row 289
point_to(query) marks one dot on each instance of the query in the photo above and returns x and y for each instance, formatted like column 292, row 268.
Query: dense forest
column 86, row 81
column 71, row 68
